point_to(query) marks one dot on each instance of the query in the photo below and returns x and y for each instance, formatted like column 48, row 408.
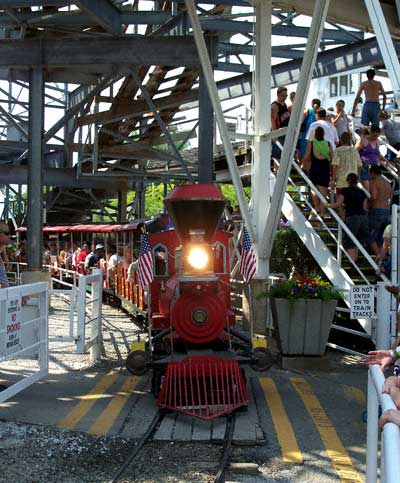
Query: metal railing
column 335, row 233
column 390, row 441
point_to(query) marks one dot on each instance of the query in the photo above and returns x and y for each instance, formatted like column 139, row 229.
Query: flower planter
column 303, row 325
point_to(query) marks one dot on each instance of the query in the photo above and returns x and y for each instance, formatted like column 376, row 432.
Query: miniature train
column 194, row 349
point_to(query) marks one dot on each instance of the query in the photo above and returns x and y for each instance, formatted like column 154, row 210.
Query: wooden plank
column 218, row 429
column 202, row 430
column 140, row 417
column 183, row 428
column 165, row 431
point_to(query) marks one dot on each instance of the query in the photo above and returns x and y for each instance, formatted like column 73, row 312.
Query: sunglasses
column 5, row 233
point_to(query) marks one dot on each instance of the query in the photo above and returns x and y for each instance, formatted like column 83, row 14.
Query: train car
column 195, row 350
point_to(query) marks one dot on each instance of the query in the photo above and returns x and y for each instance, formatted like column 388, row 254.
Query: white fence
column 390, row 441
column 85, row 310
column 24, row 331
column 90, row 290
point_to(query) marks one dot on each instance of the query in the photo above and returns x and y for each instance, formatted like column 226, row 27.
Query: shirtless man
column 371, row 107
column 379, row 213
column 4, row 241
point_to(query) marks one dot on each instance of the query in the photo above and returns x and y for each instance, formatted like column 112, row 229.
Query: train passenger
column 94, row 257
column 132, row 269
column 46, row 255
column 127, row 259
column 115, row 259
column 75, row 258
column 4, row 241
column 82, row 257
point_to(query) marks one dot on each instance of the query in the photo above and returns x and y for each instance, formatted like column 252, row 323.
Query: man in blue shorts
column 371, row 108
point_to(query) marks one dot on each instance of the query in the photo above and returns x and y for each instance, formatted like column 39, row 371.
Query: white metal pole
column 219, row 115
column 383, row 317
column 385, row 43
column 260, row 184
column 307, row 68
column 372, row 432
column 81, row 315
column 95, row 324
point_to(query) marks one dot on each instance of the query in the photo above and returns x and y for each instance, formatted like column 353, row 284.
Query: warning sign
column 13, row 326
column 362, row 302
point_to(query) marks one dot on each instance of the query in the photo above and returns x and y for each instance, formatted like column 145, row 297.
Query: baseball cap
column 98, row 246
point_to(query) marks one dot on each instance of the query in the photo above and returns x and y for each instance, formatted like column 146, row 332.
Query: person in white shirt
column 330, row 133
column 115, row 259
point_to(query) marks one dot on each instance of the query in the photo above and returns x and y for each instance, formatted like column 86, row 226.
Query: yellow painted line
column 87, row 401
column 284, row 431
column 334, row 447
column 104, row 422
column 354, row 394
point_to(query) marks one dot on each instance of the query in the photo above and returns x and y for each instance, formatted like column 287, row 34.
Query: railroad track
column 226, row 453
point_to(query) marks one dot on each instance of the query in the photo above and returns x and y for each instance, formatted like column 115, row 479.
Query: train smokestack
column 195, row 211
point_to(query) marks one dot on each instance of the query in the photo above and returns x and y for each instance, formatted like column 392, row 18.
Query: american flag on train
column 247, row 265
column 145, row 262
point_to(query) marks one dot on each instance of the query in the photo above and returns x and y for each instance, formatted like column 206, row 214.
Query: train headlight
column 198, row 258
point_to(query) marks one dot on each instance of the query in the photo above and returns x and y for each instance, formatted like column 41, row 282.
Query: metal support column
column 35, row 169
column 206, row 134
column 307, row 68
column 262, row 124
column 223, row 129
column 385, row 43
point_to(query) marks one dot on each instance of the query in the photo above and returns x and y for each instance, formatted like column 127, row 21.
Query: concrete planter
column 303, row 325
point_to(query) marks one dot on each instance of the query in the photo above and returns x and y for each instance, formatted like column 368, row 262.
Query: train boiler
column 195, row 351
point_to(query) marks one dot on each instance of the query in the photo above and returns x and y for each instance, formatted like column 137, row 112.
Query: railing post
column 339, row 245
column 81, row 315
column 95, row 324
column 372, row 432
column 383, row 328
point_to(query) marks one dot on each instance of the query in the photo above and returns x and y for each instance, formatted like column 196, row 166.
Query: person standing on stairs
column 355, row 203
column 280, row 116
column 309, row 117
column 319, row 152
column 379, row 216
column 368, row 146
column 346, row 160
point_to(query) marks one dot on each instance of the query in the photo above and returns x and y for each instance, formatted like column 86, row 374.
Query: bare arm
column 274, row 117
column 338, row 203
column 357, row 98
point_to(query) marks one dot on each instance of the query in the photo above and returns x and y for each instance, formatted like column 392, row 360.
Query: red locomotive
column 194, row 349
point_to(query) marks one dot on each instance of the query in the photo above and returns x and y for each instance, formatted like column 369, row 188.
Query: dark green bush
column 289, row 254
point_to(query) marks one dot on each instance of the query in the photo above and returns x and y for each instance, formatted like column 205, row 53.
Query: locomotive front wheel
column 263, row 359
column 136, row 363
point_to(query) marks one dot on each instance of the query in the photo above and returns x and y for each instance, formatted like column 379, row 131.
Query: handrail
column 390, row 449
column 339, row 221
column 340, row 247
